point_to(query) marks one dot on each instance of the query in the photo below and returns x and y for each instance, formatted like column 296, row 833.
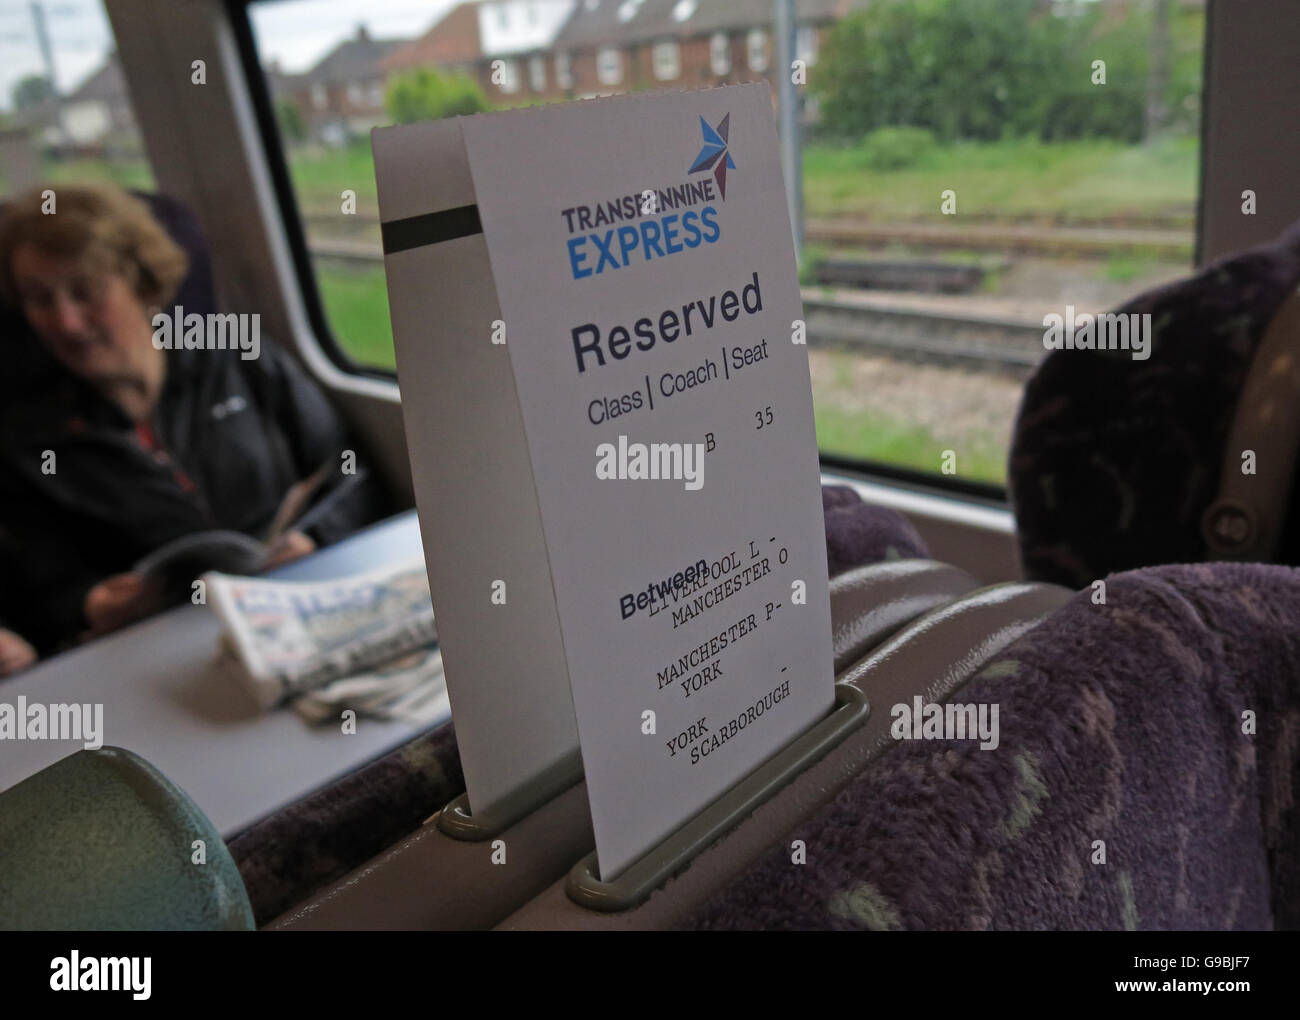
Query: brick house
column 610, row 46
column 530, row 50
column 451, row 44
column 342, row 96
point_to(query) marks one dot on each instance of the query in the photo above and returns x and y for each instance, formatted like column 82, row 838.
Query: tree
column 959, row 68
column 984, row 69
column 290, row 120
column 31, row 91
column 426, row 94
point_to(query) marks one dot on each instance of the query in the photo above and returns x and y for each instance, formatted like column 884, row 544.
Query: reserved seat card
column 628, row 344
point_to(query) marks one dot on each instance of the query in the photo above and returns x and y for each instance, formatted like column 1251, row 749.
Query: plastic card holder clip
column 456, row 821
column 670, row 857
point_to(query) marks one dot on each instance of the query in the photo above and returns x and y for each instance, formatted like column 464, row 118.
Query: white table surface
column 164, row 699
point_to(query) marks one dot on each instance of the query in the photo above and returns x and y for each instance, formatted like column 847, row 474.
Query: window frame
column 601, row 76
column 563, row 70
column 659, row 55
column 756, row 40
column 723, row 52
column 291, row 219
column 511, row 81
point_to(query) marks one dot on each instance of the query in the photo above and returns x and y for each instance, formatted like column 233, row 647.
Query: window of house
column 609, row 65
column 667, row 60
column 563, row 70
column 506, row 75
column 805, row 44
column 720, row 54
column 537, row 73
column 319, row 96
column 756, row 47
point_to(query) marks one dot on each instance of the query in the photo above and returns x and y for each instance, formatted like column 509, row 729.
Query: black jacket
column 231, row 436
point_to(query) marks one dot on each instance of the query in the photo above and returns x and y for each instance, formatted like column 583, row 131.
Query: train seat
column 101, row 840
column 1118, row 463
column 1144, row 780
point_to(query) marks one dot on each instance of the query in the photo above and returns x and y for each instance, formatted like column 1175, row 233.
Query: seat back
column 102, row 840
column 1115, row 462
column 1143, row 779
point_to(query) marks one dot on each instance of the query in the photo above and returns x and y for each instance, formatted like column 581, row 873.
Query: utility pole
column 788, row 106
column 47, row 55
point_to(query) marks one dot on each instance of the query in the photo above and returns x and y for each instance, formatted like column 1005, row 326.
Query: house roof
column 605, row 22
column 281, row 83
column 453, row 39
column 105, row 84
column 352, row 59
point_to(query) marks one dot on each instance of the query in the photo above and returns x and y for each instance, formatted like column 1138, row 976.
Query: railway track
column 1005, row 238
column 969, row 341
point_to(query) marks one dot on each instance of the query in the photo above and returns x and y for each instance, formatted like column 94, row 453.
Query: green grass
column 356, row 304
column 128, row 173
column 321, row 175
column 873, row 437
column 1010, row 180
column 1124, row 268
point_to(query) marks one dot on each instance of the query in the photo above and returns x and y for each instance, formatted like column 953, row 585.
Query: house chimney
column 362, row 34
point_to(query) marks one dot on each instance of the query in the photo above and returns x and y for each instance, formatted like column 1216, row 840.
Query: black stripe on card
column 430, row 228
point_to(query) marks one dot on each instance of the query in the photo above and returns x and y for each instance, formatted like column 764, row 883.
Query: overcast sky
column 295, row 32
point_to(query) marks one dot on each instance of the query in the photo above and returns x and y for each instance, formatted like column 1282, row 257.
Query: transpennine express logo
column 714, row 155
column 652, row 222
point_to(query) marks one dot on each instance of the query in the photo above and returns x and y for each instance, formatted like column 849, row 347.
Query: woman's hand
column 290, row 546
column 119, row 600
column 15, row 653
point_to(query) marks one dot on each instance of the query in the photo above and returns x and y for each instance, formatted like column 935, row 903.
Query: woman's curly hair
column 99, row 224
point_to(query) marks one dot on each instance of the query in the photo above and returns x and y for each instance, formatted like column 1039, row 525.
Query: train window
column 970, row 168
column 65, row 114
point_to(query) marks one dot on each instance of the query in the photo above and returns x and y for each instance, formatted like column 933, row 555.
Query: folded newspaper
column 365, row 642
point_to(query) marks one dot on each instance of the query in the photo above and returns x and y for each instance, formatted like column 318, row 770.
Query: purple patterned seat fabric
column 1121, row 724
column 1113, row 461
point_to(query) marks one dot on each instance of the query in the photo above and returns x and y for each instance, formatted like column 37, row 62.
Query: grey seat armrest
column 869, row 603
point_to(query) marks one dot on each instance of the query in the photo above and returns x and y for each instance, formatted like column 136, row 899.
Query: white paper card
column 644, row 274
